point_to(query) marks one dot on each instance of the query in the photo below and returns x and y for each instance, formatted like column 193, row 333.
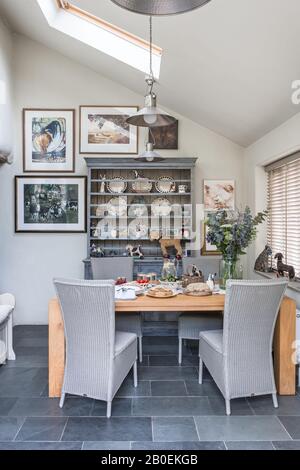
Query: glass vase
column 230, row 269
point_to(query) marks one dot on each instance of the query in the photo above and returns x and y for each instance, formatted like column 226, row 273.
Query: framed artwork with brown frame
column 104, row 130
column 207, row 249
column 53, row 204
column 164, row 138
column 48, row 140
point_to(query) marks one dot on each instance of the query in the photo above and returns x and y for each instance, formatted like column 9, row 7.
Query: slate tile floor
column 169, row 410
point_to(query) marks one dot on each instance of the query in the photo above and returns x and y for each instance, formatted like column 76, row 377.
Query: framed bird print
column 49, row 140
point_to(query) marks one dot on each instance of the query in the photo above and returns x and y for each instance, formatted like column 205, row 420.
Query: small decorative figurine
column 135, row 251
column 262, row 262
column 192, row 270
column 102, row 185
column 97, row 252
column 284, row 268
column 166, row 243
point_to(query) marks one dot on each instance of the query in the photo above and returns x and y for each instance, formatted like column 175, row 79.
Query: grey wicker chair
column 112, row 268
column 239, row 358
column 190, row 325
column 98, row 358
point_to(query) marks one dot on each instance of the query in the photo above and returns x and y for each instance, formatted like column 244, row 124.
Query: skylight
column 101, row 35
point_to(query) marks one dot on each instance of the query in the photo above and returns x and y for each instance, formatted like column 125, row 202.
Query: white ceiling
column 227, row 66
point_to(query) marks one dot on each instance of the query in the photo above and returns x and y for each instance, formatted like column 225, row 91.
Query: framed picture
column 50, row 204
column 208, row 249
column 49, row 140
column 165, row 137
column 103, row 129
column 219, row 194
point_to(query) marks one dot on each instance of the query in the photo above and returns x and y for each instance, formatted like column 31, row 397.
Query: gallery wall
column 46, row 79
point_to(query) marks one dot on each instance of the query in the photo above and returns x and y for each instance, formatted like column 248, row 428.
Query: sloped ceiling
column 227, row 66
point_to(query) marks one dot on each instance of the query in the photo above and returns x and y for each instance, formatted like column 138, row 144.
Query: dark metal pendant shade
column 160, row 7
column 149, row 155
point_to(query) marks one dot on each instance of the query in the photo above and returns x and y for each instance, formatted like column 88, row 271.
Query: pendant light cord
column 151, row 52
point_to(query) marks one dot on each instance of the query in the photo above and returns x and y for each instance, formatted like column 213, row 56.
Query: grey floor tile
column 168, row 373
column 237, row 428
column 292, row 425
column 40, row 445
column 25, row 351
column 50, row 407
column 171, row 406
column 30, row 331
column 173, row 361
column 9, row 428
column 160, row 340
column 287, row 445
column 239, row 406
column 167, row 388
column 206, row 389
column 106, row 445
column 161, row 350
column 264, row 406
column 22, row 381
column 128, row 390
column 249, row 445
column 174, row 429
column 42, row 429
column 177, row 446
column 6, row 404
column 120, row 407
column 35, row 342
column 28, row 361
column 103, row 429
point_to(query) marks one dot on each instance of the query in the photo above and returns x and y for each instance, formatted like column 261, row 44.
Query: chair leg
column 108, row 409
column 200, row 371
column 179, row 351
column 228, row 407
column 275, row 401
column 62, row 400
column 135, row 379
column 141, row 348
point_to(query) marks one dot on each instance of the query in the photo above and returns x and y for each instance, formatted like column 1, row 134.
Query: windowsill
column 294, row 285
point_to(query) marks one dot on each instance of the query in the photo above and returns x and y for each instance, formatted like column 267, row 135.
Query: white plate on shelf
column 161, row 207
column 117, row 207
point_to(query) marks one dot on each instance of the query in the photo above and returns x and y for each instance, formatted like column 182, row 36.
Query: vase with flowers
column 232, row 232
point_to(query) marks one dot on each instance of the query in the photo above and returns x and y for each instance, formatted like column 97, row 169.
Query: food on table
column 120, row 281
column 161, row 292
column 197, row 288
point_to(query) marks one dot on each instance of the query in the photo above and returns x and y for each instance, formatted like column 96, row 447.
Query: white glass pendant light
column 151, row 115
column 160, row 7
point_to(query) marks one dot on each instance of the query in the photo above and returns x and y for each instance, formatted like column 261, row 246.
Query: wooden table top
column 180, row 303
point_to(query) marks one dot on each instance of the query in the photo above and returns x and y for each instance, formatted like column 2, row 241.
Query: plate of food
column 198, row 289
column 161, row 292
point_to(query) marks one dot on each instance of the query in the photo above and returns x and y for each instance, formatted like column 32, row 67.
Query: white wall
column 44, row 78
column 279, row 143
column 6, row 125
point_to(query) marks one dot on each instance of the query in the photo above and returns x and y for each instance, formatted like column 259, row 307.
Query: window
column 101, row 35
column 284, row 209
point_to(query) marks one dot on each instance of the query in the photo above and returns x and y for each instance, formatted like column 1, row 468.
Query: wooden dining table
column 284, row 338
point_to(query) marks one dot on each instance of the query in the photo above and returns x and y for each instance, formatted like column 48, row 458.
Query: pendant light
column 149, row 155
column 150, row 115
column 160, row 7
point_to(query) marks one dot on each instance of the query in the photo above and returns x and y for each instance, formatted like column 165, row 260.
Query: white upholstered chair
column 239, row 357
column 98, row 358
column 7, row 305
column 191, row 324
column 112, row 268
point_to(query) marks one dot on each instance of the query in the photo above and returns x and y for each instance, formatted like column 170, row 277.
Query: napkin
column 124, row 293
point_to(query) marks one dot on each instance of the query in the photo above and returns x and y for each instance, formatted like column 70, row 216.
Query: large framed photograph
column 103, row 129
column 207, row 248
column 50, row 204
column 164, row 138
column 49, row 140
column 219, row 194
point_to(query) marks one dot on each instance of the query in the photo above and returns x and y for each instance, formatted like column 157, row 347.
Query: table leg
column 56, row 349
column 284, row 338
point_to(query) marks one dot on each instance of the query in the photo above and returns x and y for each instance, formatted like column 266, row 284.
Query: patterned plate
column 117, row 186
column 165, row 184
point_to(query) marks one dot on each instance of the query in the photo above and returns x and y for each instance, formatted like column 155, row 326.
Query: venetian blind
column 284, row 210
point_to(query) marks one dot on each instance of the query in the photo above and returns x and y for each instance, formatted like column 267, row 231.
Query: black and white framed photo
column 50, row 204
column 104, row 130
column 49, row 140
